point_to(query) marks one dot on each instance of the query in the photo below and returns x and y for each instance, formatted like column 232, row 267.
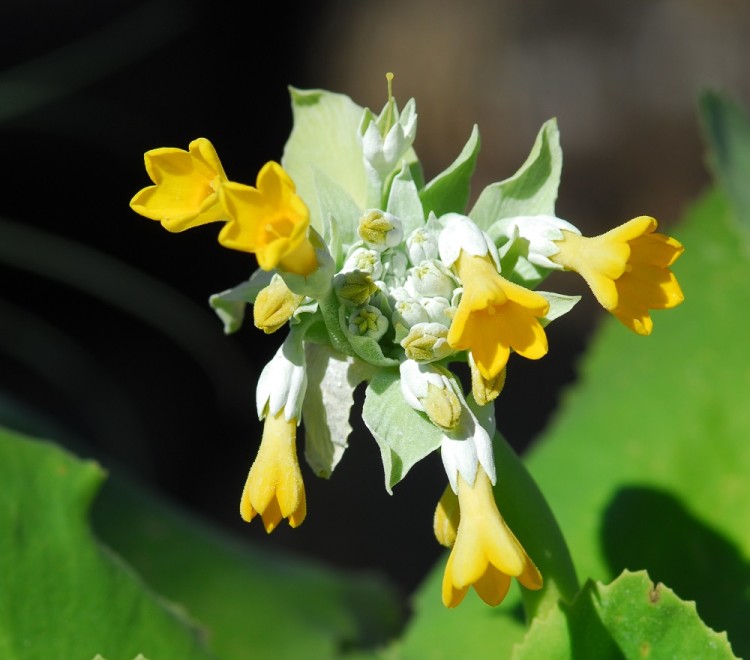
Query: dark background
column 106, row 340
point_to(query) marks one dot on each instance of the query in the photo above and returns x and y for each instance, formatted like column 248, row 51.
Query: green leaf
column 727, row 130
column 449, row 190
column 253, row 600
column 339, row 214
column 559, row 305
column 325, row 137
column 63, row 594
column 230, row 305
column 404, row 202
column 647, row 465
column 404, row 436
column 630, row 618
column 532, row 190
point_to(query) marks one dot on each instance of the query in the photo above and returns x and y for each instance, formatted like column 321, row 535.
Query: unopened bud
column 485, row 390
column 380, row 230
column 447, row 517
column 442, row 406
column 354, row 287
column 368, row 321
column 426, row 342
column 430, row 279
column 367, row 261
column 422, row 245
column 274, row 305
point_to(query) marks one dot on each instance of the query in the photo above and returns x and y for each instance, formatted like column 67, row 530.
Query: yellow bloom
column 486, row 554
column 186, row 187
column 270, row 220
column 495, row 315
column 627, row 269
column 274, row 487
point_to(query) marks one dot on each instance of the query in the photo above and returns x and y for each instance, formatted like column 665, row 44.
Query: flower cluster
column 385, row 279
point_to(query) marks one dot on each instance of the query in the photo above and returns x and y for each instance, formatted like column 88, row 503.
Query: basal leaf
column 630, row 618
column 647, row 465
column 63, row 595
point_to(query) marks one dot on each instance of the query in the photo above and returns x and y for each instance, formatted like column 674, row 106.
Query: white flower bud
column 354, row 287
column 540, row 232
column 283, row 381
column 380, row 230
column 460, row 233
column 409, row 312
column 384, row 146
column 438, row 309
column 428, row 389
column 430, row 279
column 422, row 245
column 394, row 268
column 426, row 342
column 366, row 261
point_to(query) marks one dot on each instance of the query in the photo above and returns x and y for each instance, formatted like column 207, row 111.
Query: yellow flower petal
column 486, row 553
column 186, row 187
column 495, row 316
column 626, row 269
column 270, row 220
column 274, row 487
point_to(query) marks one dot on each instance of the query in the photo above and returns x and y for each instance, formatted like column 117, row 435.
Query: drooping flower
column 627, row 269
column 269, row 220
column 186, row 187
column 495, row 315
column 274, row 487
column 486, row 553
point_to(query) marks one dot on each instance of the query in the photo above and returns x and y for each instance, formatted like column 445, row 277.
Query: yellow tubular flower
column 186, row 187
column 270, row 220
column 495, row 315
column 486, row 554
column 274, row 487
column 627, row 270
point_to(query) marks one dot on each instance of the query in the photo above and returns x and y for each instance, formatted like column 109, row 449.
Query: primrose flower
column 627, row 269
column 270, row 221
column 486, row 553
column 274, row 487
column 186, row 187
column 495, row 315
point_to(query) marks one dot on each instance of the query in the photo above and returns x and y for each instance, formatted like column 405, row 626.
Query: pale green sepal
column 559, row 305
column 366, row 348
column 532, row 190
column 514, row 263
column 318, row 283
column 339, row 215
column 449, row 190
column 404, row 436
column 332, row 379
column 404, row 202
column 230, row 305
column 325, row 136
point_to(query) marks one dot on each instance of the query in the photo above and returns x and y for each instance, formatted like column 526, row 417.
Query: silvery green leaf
column 449, row 190
column 532, row 190
column 404, row 202
column 332, row 379
column 230, row 305
column 325, row 137
column 404, row 435
column 339, row 215
column 559, row 305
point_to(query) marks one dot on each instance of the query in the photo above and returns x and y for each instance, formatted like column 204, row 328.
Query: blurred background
column 106, row 340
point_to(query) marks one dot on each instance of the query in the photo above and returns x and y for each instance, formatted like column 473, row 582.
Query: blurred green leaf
column 629, row 618
column 64, row 595
column 647, row 464
column 727, row 130
column 254, row 602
